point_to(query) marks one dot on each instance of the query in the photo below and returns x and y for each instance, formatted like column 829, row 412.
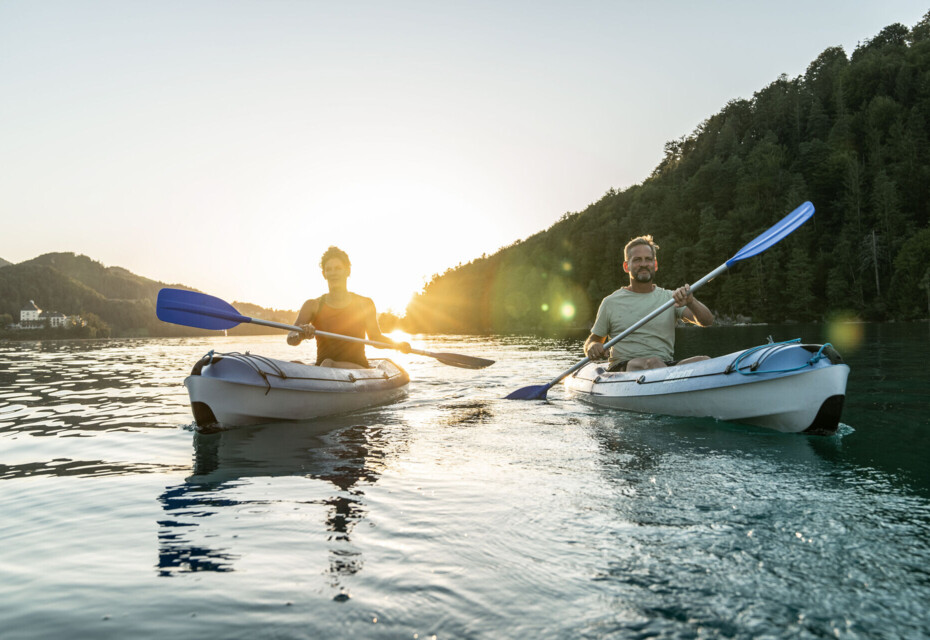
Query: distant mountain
column 4, row 263
column 110, row 282
column 77, row 285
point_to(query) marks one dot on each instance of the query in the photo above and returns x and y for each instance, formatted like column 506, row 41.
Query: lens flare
column 568, row 311
column 845, row 331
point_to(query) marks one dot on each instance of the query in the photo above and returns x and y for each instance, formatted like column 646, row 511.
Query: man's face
column 640, row 264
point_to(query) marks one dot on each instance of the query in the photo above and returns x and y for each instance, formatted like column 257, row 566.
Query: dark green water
column 888, row 399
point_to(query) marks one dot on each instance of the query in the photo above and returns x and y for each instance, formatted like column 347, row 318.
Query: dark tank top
column 348, row 321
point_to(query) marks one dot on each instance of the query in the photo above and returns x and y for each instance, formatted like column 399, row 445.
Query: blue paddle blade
column 193, row 309
column 775, row 234
column 535, row 392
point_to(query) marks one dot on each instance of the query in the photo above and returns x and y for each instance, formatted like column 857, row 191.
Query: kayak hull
column 245, row 389
column 788, row 387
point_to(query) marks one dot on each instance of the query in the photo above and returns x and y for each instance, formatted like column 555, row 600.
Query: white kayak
column 237, row 389
column 788, row 386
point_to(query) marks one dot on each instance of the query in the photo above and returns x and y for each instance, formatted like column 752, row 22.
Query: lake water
column 455, row 513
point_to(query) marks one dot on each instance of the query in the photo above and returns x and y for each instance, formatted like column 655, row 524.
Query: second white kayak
column 788, row 387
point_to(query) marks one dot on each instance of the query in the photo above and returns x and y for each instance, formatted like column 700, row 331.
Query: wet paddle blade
column 193, row 309
column 775, row 234
column 464, row 362
column 535, row 392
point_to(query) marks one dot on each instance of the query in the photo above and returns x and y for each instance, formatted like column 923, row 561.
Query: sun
column 390, row 296
column 396, row 231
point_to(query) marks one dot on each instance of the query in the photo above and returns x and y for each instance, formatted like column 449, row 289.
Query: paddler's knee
column 639, row 364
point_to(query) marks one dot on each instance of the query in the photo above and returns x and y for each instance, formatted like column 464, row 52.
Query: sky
column 226, row 144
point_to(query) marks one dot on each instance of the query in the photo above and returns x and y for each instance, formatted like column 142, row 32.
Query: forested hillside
column 124, row 302
column 851, row 135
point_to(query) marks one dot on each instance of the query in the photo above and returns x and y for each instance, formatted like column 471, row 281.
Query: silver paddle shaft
column 337, row 336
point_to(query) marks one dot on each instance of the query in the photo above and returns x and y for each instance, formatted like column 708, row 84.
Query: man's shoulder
column 622, row 291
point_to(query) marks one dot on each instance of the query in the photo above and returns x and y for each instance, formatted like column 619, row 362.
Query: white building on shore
column 32, row 317
column 29, row 313
column 53, row 318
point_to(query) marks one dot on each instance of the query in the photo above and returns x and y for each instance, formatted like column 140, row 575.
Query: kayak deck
column 241, row 389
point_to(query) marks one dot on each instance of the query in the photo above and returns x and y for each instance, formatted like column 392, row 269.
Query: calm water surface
column 454, row 513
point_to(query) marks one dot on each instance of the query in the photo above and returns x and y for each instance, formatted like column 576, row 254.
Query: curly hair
column 646, row 240
column 336, row 252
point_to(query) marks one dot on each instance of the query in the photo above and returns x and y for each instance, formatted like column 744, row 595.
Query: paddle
column 771, row 237
column 193, row 309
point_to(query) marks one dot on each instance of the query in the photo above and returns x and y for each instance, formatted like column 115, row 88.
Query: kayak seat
column 827, row 350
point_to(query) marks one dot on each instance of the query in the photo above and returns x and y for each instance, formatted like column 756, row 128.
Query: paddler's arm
column 307, row 312
column 594, row 347
column 373, row 329
column 696, row 312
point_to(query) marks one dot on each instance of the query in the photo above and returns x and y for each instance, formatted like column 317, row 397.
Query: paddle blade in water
column 193, row 309
column 775, row 234
column 535, row 392
column 464, row 362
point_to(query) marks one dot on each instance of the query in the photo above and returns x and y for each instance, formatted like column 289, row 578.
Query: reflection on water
column 63, row 467
column 177, row 551
column 340, row 457
column 70, row 388
column 469, row 413
column 70, row 408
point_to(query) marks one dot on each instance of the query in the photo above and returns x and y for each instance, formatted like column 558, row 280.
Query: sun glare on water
column 399, row 335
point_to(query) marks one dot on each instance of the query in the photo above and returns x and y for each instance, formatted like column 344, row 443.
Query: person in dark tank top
column 343, row 312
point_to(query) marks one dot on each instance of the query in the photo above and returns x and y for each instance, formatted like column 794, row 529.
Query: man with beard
column 653, row 345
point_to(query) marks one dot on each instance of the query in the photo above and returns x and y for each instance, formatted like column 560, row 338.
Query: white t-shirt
column 623, row 308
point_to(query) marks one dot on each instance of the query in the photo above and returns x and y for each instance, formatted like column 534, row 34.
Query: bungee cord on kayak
column 831, row 354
